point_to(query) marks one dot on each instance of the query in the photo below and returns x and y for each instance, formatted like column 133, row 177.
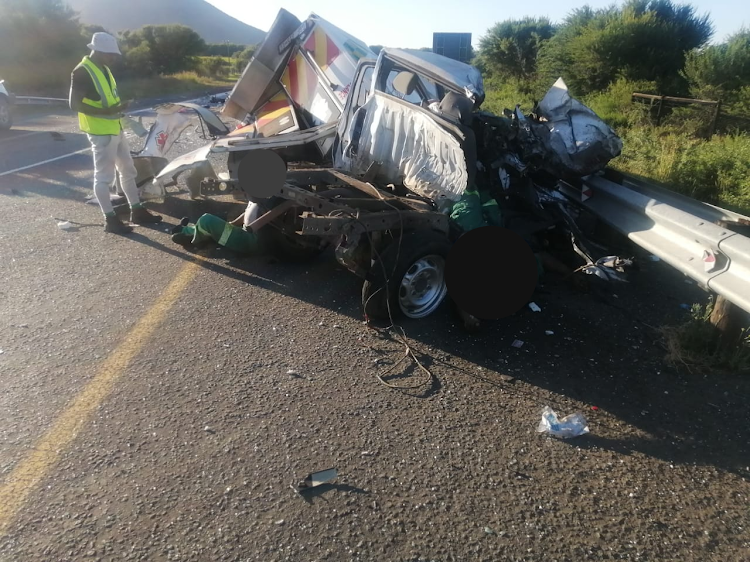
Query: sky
column 411, row 23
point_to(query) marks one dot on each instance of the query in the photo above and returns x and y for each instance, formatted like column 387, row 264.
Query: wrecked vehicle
column 379, row 160
column 289, row 99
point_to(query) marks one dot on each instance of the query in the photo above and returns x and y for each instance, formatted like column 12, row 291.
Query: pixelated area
column 491, row 272
column 262, row 173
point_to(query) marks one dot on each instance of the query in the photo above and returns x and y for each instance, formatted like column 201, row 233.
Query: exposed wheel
column 281, row 239
column 6, row 118
column 416, row 277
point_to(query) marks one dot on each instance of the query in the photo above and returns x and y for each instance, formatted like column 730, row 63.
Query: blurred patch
column 491, row 272
column 262, row 173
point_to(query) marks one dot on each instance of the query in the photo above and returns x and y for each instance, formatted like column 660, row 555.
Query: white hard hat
column 104, row 43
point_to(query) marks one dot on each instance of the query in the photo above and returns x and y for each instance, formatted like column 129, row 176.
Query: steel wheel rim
column 422, row 288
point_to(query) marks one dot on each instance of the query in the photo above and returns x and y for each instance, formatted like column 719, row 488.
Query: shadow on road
column 604, row 352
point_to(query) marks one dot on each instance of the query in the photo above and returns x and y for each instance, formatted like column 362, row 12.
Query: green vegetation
column 222, row 49
column 41, row 41
column 180, row 83
column 692, row 345
column 160, row 49
column 644, row 46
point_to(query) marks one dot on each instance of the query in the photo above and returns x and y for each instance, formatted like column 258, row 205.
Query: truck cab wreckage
column 380, row 149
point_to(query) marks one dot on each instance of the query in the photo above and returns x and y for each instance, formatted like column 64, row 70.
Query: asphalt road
column 158, row 404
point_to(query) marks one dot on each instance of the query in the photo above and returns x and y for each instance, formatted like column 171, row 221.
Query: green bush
column 715, row 171
column 615, row 106
column 506, row 93
column 214, row 67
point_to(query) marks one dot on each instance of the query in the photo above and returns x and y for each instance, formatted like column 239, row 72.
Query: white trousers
column 112, row 154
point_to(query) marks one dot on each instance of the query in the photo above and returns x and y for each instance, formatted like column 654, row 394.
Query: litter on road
column 571, row 425
column 317, row 479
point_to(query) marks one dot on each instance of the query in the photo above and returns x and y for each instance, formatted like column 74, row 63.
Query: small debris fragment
column 320, row 323
column 518, row 344
column 280, row 522
column 336, row 326
column 595, row 408
column 534, row 307
column 207, row 429
column 507, row 378
column 489, row 531
column 654, row 258
column 366, row 453
column 65, row 225
column 571, row 425
column 549, row 332
column 316, row 479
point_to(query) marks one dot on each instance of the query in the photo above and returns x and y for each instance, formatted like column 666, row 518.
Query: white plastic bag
column 572, row 425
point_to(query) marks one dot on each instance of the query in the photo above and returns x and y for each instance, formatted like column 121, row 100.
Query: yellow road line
column 37, row 465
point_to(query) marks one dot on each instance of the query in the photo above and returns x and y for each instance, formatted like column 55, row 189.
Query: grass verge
column 692, row 345
column 182, row 83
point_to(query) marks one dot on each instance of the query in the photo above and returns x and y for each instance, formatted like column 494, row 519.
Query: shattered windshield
column 425, row 90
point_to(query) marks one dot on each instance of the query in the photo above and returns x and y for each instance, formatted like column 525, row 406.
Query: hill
column 211, row 23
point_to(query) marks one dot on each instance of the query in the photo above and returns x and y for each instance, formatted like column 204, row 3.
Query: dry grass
column 692, row 346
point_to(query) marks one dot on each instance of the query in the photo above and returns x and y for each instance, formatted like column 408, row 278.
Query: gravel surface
column 264, row 372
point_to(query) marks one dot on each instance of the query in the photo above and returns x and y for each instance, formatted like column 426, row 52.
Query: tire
column 279, row 238
column 6, row 118
column 416, row 265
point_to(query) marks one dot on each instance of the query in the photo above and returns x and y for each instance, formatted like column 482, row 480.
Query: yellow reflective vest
column 100, row 125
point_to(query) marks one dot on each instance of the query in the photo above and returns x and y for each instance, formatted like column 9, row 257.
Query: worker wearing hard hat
column 93, row 94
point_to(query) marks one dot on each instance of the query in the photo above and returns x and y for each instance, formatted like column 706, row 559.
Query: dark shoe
column 114, row 225
column 182, row 239
column 183, row 222
column 141, row 215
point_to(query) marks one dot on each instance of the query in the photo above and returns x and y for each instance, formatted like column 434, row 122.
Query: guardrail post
column 712, row 128
column 727, row 319
column 658, row 112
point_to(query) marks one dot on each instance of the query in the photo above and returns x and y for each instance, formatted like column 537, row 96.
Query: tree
column 225, row 49
column 718, row 70
column 643, row 40
column 242, row 59
column 510, row 48
column 40, row 43
column 161, row 49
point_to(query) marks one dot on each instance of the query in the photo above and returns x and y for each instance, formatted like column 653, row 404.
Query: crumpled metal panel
column 462, row 77
column 410, row 148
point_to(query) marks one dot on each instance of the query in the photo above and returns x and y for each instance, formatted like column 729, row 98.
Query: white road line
column 43, row 163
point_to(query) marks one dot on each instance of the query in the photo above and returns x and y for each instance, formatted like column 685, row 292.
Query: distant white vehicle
column 6, row 101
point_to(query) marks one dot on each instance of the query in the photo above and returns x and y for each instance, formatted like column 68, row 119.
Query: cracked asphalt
column 257, row 372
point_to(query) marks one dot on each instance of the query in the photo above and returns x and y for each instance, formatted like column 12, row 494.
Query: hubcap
column 422, row 287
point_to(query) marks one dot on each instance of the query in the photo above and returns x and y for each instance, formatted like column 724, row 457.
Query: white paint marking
column 44, row 162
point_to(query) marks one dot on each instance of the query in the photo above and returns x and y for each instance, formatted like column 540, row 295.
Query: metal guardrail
column 677, row 229
column 32, row 100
